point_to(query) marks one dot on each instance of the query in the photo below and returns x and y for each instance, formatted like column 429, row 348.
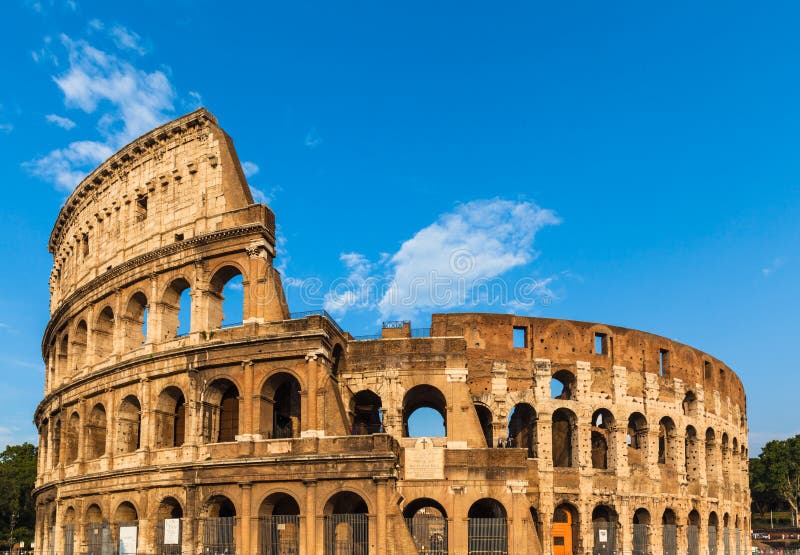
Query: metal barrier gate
column 347, row 534
column 69, row 539
column 168, row 547
column 712, row 540
column 670, row 539
column 605, row 538
column 693, row 540
column 279, row 535
column 218, row 538
column 726, row 541
column 429, row 533
column 488, row 536
column 641, row 539
column 98, row 539
column 738, row 542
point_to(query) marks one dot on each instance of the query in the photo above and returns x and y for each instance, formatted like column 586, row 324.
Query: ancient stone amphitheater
column 166, row 428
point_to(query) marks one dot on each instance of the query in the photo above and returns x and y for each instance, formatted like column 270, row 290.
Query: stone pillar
column 190, row 522
column 247, row 545
column 310, row 517
column 247, row 414
column 309, row 423
column 146, row 433
column 199, row 318
column 380, row 517
column 544, row 436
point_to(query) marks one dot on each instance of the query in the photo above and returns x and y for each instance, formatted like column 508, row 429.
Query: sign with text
column 172, row 531
column 127, row 540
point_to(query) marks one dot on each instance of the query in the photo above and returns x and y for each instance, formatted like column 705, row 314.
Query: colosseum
column 167, row 428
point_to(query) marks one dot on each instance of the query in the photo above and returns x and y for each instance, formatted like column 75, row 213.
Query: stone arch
column 56, row 450
column 725, row 454
column 636, row 438
column 218, row 309
column 219, row 525
column 221, row 411
column 563, row 385
column 170, row 415
column 169, row 507
column 423, row 396
column 485, row 418
column 135, row 321
column 693, row 533
column 281, row 415
column 279, row 524
column 173, row 321
column 73, row 433
column 565, row 438
column 103, row 334
column 603, row 425
column 605, row 522
column 63, row 356
column 669, row 532
column 366, row 414
column 126, row 512
column 96, row 431
column 693, row 454
column 560, row 337
column 80, row 337
column 487, row 527
column 566, row 523
column 346, row 522
column 129, row 425
column 711, row 453
column 522, row 428
column 338, row 360
column 641, row 531
column 667, row 440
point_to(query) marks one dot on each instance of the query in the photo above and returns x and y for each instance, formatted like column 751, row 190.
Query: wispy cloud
column 132, row 101
column 123, row 38
column 313, row 138
column 773, row 266
column 451, row 262
column 62, row 122
column 250, row 168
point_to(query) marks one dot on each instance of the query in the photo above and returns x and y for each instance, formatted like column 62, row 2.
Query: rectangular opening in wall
column 141, row 208
column 179, row 237
column 85, row 245
column 663, row 362
column 600, row 344
column 707, row 371
column 520, row 337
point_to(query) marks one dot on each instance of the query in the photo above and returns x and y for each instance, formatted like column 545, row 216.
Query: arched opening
column 79, row 339
column 693, row 534
column 602, row 437
column 488, row 530
column 485, row 419
column 103, row 335
column 712, row 468
column 641, row 532
column 63, row 357
column 669, row 531
column 169, row 527
column 126, row 529
column 692, row 452
column 226, row 298
column 424, row 412
column 96, row 433
column 637, row 440
column 176, row 309
column 221, row 412
column 562, row 385
column 737, row 531
column 136, row 322
column 338, row 362
column 713, row 533
column 726, row 533
column 604, row 523
column 69, row 530
column 56, row 450
column 564, row 444
column 689, row 404
column 129, row 425
column 427, row 521
column 97, row 532
column 220, row 526
column 170, row 418
column 365, row 408
column 73, row 433
column 280, row 407
column 279, row 525
column 522, row 428
column 666, row 442
column 725, row 456
column 346, row 525
column 44, row 443
column 565, row 523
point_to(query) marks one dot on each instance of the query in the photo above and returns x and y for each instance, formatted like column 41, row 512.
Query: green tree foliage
column 775, row 474
column 17, row 478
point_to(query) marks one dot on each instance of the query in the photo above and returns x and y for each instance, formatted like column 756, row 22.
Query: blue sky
column 634, row 163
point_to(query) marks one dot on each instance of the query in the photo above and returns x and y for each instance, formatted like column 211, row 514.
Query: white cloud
column 313, row 138
column 124, row 38
column 773, row 267
column 132, row 101
column 250, row 168
column 459, row 259
column 196, row 99
column 62, row 122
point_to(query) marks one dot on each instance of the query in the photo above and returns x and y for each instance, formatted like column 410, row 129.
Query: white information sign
column 602, row 535
column 172, row 531
column 127, row 540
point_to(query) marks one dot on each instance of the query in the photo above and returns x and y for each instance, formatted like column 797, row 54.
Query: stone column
column 189, row 523
column 380, row 517
column 246, row 546
column 309, row 423
column 310, row 517
column 247, row 413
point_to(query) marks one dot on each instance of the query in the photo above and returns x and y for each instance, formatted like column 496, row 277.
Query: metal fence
column 692, row 540
column 605, row 538
column 712, row 540
column 218, row 536
column 163, row 548
column 429, row 533
column 69, row 539
column 670, row 539
column 98, row 539
column 488, row 536
column 738, row 542
column 279, row 535
column 347, row 534
column 726, row 541
column 641, row 539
